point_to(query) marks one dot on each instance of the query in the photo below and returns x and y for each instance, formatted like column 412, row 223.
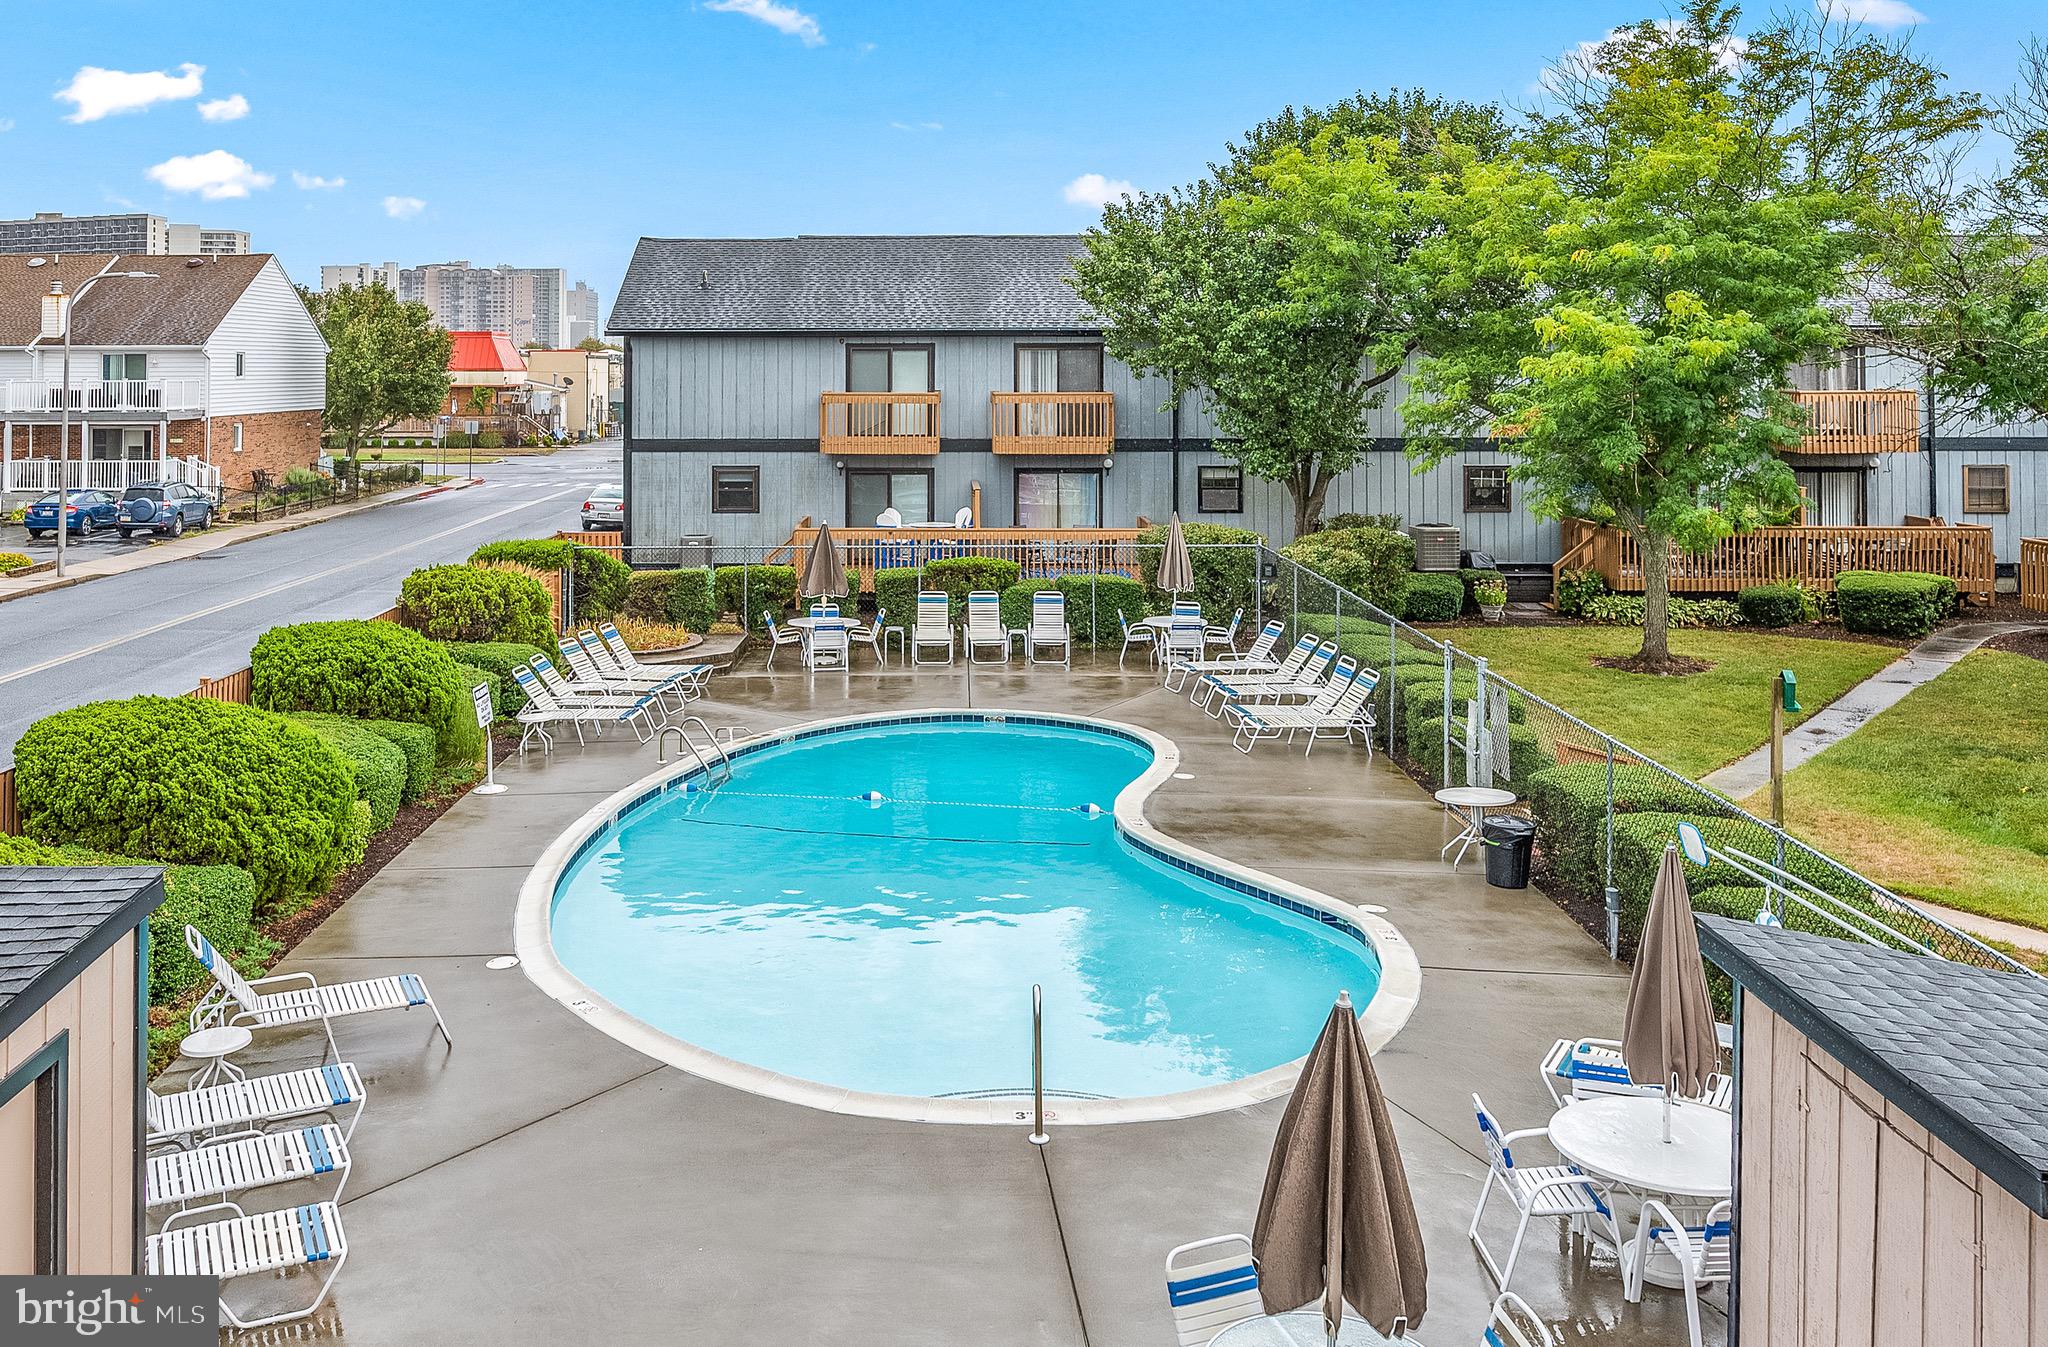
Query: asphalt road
column 163, row 628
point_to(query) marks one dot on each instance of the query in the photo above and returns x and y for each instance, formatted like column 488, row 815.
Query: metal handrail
column 682, row 733
column 1039, row 1136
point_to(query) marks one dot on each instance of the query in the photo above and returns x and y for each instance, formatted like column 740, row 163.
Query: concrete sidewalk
column 97, row 566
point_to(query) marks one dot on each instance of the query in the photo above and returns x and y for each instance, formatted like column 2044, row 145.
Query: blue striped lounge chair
column 1049, row 629
column 1211, row 1285
column 1298, row 677
column 248, row 1246
column 1587, row 1068
column 1258, row 659
column 1338, row 711
column 934, row 627
column 176, row 1116
column 235, row 1000
column 221, row 1168
column 985, row 627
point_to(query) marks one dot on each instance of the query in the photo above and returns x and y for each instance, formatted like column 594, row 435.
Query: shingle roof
column 833, row 283
column 56, row 919
column 1964, row 1051
column 181, row 307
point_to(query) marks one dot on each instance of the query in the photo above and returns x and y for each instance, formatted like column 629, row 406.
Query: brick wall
column 272, row 442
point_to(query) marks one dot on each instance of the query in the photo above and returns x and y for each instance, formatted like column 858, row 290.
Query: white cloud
column 313, row 182
column 1579, row 60
column 782, row 18
column 215, row 175
column 95, row 93
column 6, row 125
column 1092, row 189
column 230, row 109
column 917, row 126
column 1876, row 13
column 403, row 207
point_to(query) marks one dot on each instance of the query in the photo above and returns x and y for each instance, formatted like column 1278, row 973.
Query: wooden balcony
column 878, row 423
column 1863, row 421
column 1082, row 424
column 1811, row 555
column 1040, row 553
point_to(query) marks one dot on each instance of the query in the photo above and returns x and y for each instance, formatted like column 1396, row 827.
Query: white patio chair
column 1224, row 636
column 675, row 689
column 829, row 647
column 1258, row 659
column 1514, row 1324
column 1553, row 1192
column 1136, row 638
column 875, row 635
column 778, row 637
column 645, row 716
column 825, row 608
column 934, row 627
column 1338, row 712
column 1182, row 639
column 690, row 678
column 1211, row 1285
column 1702, row 1252
column 174, row 1117
column 1588, row 1068
column 244, row 1162
column 245, row 1246
column 234, row 1000
column 1049, row 629
column 985, row 627
column 1220, row 690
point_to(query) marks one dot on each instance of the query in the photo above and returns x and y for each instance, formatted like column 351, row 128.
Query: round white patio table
column 213, row 1047
column 1477, row 799
column 1303, row 1328
column 1621, row 1138
column 1164, row 620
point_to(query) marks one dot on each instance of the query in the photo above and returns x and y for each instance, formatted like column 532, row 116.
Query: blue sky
column 540, row 134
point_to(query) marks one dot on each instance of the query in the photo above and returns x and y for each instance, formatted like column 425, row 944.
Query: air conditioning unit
column 1436, row 546
column 694, row 550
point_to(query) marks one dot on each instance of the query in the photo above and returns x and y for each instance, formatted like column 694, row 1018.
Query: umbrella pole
column 1670, row 1087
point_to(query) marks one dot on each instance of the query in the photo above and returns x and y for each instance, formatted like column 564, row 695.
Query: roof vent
column 195, row 262
column 39, row 261
column 704, row 279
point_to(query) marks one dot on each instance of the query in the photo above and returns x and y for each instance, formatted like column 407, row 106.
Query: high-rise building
column 130, row 233
column 360, row 274
column 583, row 314
column 528, row 303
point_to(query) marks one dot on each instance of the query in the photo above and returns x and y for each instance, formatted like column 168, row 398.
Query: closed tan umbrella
column 824, row 575
column 1336, row 1220
column 1668, row 1035
column 1176, row 567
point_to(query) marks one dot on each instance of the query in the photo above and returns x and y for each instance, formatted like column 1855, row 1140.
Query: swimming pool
column 859, row 913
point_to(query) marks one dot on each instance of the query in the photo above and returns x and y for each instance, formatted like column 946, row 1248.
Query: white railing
column 107, row 474
column 194, row 472
column 103, row 395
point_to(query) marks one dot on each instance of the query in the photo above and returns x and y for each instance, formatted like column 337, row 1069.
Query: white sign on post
column 481, row 696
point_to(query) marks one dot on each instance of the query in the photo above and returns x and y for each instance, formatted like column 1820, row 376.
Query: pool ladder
column 717, row 767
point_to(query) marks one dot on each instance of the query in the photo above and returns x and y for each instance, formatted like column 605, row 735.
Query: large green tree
column 387, row 362
column 1191, row 285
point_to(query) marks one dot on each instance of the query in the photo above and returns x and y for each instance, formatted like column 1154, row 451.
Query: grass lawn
column 1944, row 796
column 1695, row 723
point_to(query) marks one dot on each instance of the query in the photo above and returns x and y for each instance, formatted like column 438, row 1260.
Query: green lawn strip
column 1945, row 795
column 1693, row 723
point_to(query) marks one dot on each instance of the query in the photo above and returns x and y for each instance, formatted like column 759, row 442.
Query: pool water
column 891, row 946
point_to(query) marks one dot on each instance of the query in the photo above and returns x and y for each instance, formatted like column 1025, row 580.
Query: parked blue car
column 88, row 511
column 168, row 508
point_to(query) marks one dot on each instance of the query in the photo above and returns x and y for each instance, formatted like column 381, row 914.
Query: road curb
column 282, row 528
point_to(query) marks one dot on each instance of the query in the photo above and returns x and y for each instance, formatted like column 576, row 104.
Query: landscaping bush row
column 477, row 603
column 498, row 659
column 598, row 578
column 376, row 763
column 371, row 671
column 1626, row 610
column 1373, row 563
column 1225, row 560
column 1893, row 603
column 752, row 593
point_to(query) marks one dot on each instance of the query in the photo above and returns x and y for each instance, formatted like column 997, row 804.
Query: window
column 33, row 1102
column 735, row 491
column 889, row 369
column 1842, row 372
column 241, row 363
column 1486, row 489
column 869, row 492
column 1048, row 499
column 238, row 437
column 119, row 365
column 1987, row 488
column 1059, row 369
column 1832, row 496
column 1219, row 489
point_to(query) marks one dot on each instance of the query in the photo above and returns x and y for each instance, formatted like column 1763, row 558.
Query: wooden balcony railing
column 878, row 423
column 1039, row 553
column 1813, row 556
column 1873, row 421
column 2034, row 574
column 1052, row 423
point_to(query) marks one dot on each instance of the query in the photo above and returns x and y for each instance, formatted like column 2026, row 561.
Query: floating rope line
column 876, row 797
column 882, row 837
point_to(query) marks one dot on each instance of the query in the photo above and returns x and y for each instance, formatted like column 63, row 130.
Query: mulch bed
column 1677, row 666
column 2033, row 644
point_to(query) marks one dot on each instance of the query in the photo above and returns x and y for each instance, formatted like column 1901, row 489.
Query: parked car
column 605, row 507
column 87, row 512
column 168, row 507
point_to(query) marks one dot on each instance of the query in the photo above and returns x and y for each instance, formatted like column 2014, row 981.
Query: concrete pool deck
column 540, row 1182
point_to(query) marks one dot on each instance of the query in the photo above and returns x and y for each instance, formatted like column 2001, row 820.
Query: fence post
column 1611, row 894
column 1393, row 684
column 1445, row 767
column 568, row 599
column 1294, row 612
column 1258, row 586
column 1092, row 628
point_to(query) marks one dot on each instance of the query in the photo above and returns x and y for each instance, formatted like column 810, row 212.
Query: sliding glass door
column 889, row 369
column 1049, row 498
column 869, row 492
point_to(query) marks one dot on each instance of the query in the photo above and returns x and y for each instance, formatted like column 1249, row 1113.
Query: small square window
column 735, row 491
column 1219, row 489
column 1987, row 488
column 1486, row 489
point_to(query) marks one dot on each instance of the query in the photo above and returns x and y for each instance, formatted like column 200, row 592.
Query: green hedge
column 499, row 659
column 896, row 592
column 1110, row 594
column 1626, row 610
column 369, row 670
column 1017, row 600
column 960, row 576
column 647, row 595
column 193, row 781
column 599, row 578
column 472, row 674
column 1526, row 757
column 415, row 743
column 1372, row 563
column 1639, row 841
column 679, row 596
column 377, row 763
column 1365, row 640
column 476, row 603
column 1226, row 563
column 1569, row 804
column 752, row 592
column 1776, row 605
column 1893, row 603
column 1432, row 597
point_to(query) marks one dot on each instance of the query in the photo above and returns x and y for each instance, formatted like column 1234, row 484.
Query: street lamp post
column 68, row 307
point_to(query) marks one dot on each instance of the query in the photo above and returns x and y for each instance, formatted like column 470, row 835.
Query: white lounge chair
column 829, row 647
column 1337, row 712
column 779, row 637
column 1588, row 1068
column 1702, row 1252
column 1258, row 659
column 235, row 1164
column 622, row 654
column 689, row 677
column 1305, row 680
column 934, row 627
column 234, row 1000
column 1211, row 1285
column 674, row 689
column 1553, row 1192
column 577, row 691
column 1049, row 629
column 645, row 716
column 985, row 627
column 176, row 1116
column 1140, row 637
column 1514, row 1324
column 247, row 1245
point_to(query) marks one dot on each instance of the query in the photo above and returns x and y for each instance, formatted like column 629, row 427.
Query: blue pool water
column 892, row 946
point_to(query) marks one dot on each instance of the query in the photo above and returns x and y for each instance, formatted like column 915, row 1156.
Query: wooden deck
column 1861, row 421
column 1813, row 556
column 2034, row 574
column 1082, row 424
column 878, row 423
column 1039, row 553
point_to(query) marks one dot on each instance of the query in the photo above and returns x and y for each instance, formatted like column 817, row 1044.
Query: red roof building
column 485, row 353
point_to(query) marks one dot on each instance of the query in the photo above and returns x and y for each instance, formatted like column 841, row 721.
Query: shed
column 74, row 1050
column 1891, row 1144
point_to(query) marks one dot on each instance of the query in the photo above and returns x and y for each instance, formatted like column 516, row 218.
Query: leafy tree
column 386, row 362
column 1192, row 285
column 480, row 400
column 595, row 344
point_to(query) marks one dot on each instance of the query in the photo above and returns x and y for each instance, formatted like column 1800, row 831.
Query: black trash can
column 1509, row 840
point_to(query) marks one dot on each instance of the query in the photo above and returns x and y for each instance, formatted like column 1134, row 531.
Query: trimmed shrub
column 491, row 439
column 1427, row 597
column 961, row 576
column 1576, row 589
column 1110, row 594
column 1526, row 757
column 1639, row 841
column 476, row 603
column 499, row 659
column 1016, row 604
column 598, row 578
column 189, row 780
column 1365, row 640
column 472, row 675
column 1774, row 605
column 415, row 743
column 13, row 561
column 1226, row 563
column 752, row 592
column 1372, row 563
column 689, row 599
column 647, row 595
column 1893, row 603
column 378, row 766
column 1569, row 804
column 1390, row 522
column 896, row 591
column 1626, row 610
column 369, row 670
